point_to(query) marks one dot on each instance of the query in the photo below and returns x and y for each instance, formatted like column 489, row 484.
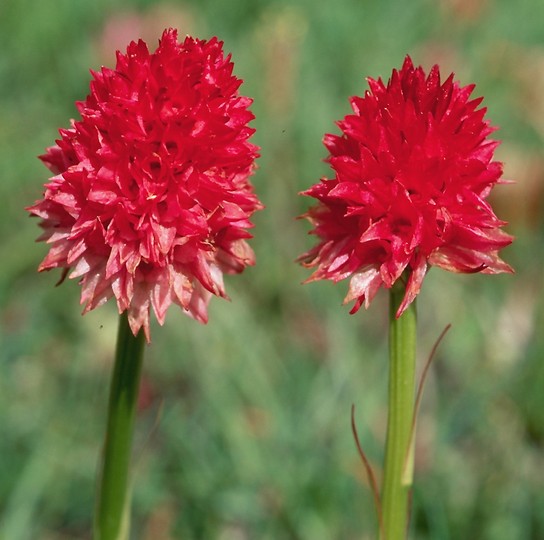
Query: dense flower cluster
column 151, row 201
column 413, row 169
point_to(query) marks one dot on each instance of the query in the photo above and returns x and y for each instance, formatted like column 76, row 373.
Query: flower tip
column 408, row 64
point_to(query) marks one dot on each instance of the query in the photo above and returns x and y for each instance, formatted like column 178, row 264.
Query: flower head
column 413, row 169
column 150, row 202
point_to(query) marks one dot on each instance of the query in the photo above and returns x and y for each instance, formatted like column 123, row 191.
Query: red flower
column 413, row 169
column 151, row 199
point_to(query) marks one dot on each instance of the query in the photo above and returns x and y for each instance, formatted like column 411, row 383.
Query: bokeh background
column 244, row 424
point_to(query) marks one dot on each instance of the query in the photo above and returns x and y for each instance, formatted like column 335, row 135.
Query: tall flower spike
column 151, row 200
column 413, row 169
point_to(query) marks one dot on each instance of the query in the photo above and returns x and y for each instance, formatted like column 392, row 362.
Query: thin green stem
column 112, row 512
column 398, row 466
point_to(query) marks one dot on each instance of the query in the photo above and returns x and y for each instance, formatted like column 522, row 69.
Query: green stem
column 398, row 466
column 112, row 512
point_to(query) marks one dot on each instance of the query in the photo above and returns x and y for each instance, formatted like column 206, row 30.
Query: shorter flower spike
column 413, row 168
column 150, row 202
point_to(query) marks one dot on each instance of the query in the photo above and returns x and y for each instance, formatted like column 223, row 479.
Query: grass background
column 244, row 431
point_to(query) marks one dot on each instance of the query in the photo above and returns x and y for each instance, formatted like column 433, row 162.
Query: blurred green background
column 244, row 424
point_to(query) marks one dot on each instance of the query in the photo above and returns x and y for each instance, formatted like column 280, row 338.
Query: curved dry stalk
column 419, row 393
column 369, row 472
